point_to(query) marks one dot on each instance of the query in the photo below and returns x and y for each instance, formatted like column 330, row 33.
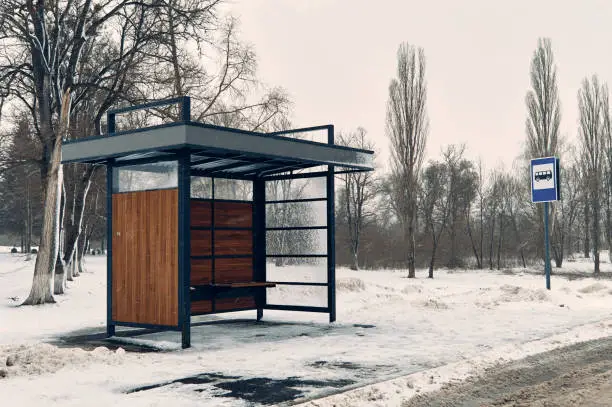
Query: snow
column 393, row 336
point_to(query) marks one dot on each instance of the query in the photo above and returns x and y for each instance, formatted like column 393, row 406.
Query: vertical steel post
column 110, row 327
column 331, row 235
column 184, row 246
column 186, row 109
column 259, row 241
column 547, row 266
column 213, row 300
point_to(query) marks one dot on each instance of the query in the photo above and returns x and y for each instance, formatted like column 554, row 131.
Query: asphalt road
column 577, row 375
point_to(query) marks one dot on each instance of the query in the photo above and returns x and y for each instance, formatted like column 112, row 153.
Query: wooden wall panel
column 201, row 271
column 234, row 270
column 201, row 213
column 145, row 257
column 201, row 307
column 227, row 304
column 201, row 243
column 233, row 242
column 234, row 214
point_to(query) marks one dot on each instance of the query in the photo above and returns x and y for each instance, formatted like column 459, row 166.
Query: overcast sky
column 336, row 58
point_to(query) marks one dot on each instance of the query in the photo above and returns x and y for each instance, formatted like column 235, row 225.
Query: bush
column 13, row 250
column 34, row 251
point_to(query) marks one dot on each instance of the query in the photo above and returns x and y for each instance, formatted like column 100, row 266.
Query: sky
column 336, row 59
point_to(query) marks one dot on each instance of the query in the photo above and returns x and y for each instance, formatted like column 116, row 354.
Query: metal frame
column 330, row 227
column 110, row 326
column 190, row 149
column 184, row 237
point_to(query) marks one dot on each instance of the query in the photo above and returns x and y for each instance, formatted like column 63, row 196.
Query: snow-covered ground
column 398, row 335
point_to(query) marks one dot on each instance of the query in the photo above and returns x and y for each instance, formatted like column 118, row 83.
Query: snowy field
column 393, row 337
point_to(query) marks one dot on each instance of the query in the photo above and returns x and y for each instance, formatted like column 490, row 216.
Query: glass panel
column 296, row 214
column 299, row 270
column 297, row 295
column 240, row 190
column 201, row 187
column 310, row 241
column 296, row 189
column 159, row 175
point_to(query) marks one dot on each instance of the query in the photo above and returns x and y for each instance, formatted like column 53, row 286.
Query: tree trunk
column 518, row 238
column 559, row 244
column 432, row 261
column 411, row 247
column 60, row 276
column 76, row 213
column 355, row 265
column 42, row 282
column 474, row 249
column 453, row 263
column 491, row 240
column 608, row 222
column 499, row 241
column 82, row 249
column 44, row 269
column 587, row 225
column 596, row 230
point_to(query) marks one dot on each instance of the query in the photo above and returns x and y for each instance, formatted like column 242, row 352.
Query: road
column 577, row 375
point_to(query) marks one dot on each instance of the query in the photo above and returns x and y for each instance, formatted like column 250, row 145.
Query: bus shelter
column 180, row 246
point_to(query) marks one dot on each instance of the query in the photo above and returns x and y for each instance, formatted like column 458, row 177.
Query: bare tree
column 43, row 44
column 357, row 195
column 514, row 202
column 462, row 184
column 607, row 175
column 477, row 246
column 494, row 201
column 543, row 114
column 592, row 100
column 543, row 105
column 407, row 127
column 106, row 53
column 434, row 204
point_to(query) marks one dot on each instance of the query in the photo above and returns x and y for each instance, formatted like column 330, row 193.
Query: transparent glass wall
column 144, row 177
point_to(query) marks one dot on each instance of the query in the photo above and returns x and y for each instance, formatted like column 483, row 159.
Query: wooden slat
column 201, row 243
column 233, row 270
column 145, row 257
column 201, row 271
column 226, row 304
column 233, row 214
column 233, row 242
column 200, row 307
column 201, row 213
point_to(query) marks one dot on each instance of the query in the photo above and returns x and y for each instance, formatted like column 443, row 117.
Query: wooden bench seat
column 245, row 284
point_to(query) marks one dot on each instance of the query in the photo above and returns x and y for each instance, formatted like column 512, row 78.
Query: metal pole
column 184, row 246
column 259, row 241
column 110, row 326
column 331, row 235
column 546, row 247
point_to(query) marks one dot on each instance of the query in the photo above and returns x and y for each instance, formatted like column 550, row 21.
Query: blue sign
column 545, row 179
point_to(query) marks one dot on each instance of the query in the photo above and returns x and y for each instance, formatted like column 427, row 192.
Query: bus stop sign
column 545, row 180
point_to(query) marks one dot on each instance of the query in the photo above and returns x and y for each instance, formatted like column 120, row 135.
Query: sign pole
column 547, row 266
column 545, row 188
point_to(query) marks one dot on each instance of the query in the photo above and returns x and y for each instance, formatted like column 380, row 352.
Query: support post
column 184, row 246
column 186, row 109
column 547, row 265
column 110, row 327
column 331, row 235
column 259, row 241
